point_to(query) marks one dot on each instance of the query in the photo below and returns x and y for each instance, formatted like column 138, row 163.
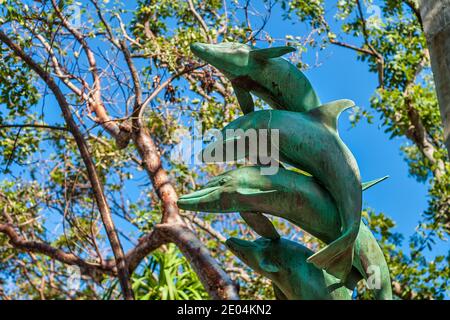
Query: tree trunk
column 436, row 24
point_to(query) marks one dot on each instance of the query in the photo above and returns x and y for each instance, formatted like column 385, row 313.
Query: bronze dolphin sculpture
column 309, row 141
column 284, row 262
column 261, row 72
column 297, row 198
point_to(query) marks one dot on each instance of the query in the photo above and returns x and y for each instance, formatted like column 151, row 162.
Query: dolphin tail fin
column 337, row 257
column 353, row 278
column 369, row 184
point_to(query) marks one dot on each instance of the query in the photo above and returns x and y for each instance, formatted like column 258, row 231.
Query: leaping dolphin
column 261, row 72
column 297, row 198
column 284, row 262
column 309, row 141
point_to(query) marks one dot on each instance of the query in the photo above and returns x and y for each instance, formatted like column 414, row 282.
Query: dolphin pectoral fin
column 279, row 295
column 270, row 53
column 282, row 165
column 369, row 184
column 289, row 167
column 244, row 98
column 337, row 257
column 328, row 113
column 261, row 225
column 253, row 191
column 353, row 278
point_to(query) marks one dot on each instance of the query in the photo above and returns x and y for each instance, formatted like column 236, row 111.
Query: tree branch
column 172, row 227
column 367, row 42
column 140, row 111
column 93, row 270
column 36, row 126
column 217, row 283
column 119, row 133
column 415, row 10
column 200, row 20
column 350, row 46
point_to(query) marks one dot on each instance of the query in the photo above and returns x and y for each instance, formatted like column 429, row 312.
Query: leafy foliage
column 168, row 276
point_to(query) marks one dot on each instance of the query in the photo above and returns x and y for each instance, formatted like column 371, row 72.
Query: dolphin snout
column 198, row 48
column 199, row 194
column 196, row 199
column 204, row 51
column 244, row 250
column 235, row 244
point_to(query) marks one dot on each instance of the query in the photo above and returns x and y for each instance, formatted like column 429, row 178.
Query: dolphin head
column 285, row 263
column 229, row 57
column 236, row 59
column 232, row 191
column 262, row 255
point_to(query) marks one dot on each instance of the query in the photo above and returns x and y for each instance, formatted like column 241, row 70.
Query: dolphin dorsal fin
column 369, row 184
column 328, row 113
column 270, row 53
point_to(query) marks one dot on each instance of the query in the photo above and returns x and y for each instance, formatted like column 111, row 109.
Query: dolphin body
column 284, row 262
column 297, row 198
column 261, row 72
column 309, row 141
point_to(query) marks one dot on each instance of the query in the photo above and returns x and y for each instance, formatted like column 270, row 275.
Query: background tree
column 437, row 31
column 96, row 95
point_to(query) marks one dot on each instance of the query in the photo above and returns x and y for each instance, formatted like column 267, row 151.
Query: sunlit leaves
column 167, row 276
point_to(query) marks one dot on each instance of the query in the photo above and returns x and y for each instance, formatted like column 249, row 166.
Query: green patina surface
column 261, row 72
column 295, row 197
column 309, row 141
column 327, row 205
column 285, row 263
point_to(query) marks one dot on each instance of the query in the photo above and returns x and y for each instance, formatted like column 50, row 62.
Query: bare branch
column 138, row 113
column 206, row 227
column 350, row 46
column 44, row 248
column 87, row 159
column 375, row 53
column 121, row 134
column 200, row 20
column 415, row 10
column 36, row 126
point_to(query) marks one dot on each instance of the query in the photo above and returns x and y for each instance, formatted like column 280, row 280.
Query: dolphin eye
column 218, row 181
column 224, row 180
